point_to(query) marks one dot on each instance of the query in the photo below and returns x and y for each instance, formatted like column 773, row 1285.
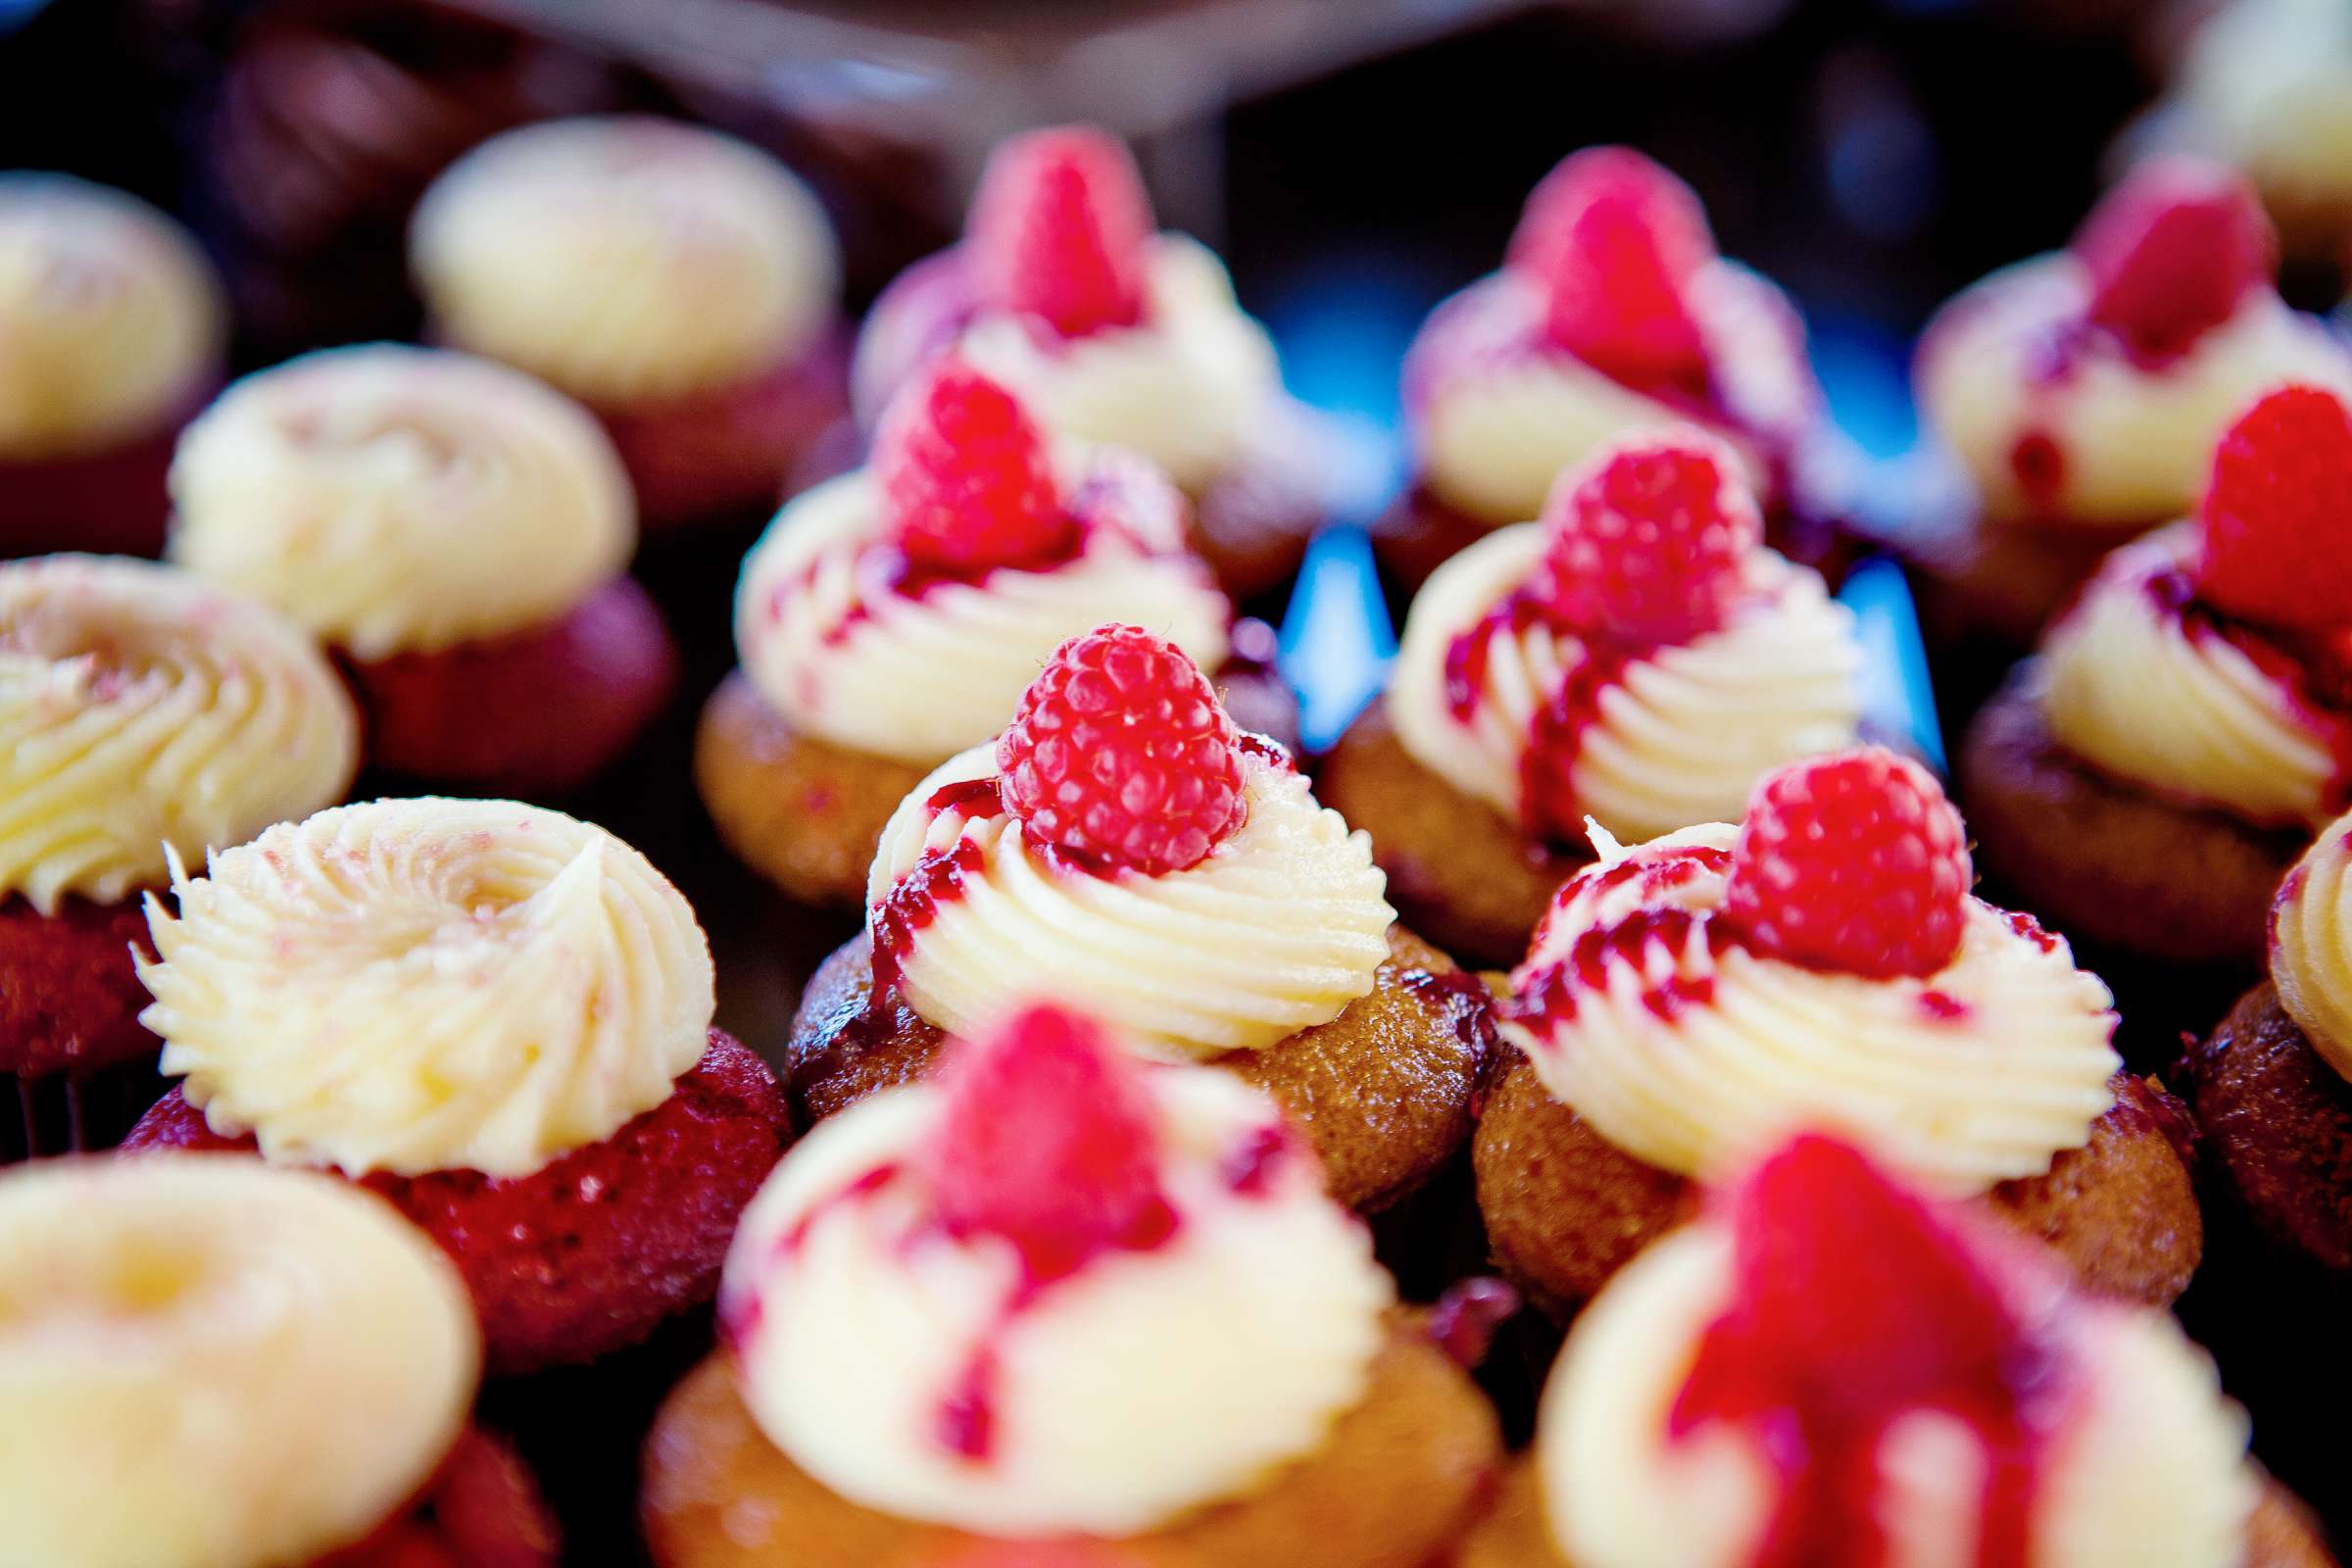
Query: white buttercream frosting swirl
column 140, row 708
column 110, row 317
column 625, row 260
column 272, row 1363
column 401, row 500
column 2311, row 946
column 428, row 985
column 2268, row 85
column 1148, row 1383
column 1694, row 1052
column 1277, row 931
column 1679, row 735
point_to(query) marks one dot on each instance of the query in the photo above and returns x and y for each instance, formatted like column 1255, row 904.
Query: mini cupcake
column 2149, row 779
column 1691, row 1000
column 494, row 1017
column 211, row 1365
column 1635, row 658
column 1123, row 844
column 891, row 617
column 2078, row 394
column 680, row 283
column 141, row 713
column 457, row 534
column 116, row 333
column 1611, row 313
column 1828, row 1370
column 1059, row 1305
column 1116, row 334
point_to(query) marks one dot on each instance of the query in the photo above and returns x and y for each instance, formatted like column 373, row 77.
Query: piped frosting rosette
column 401, row 500
column 2311, row 946
column 2267, row 86
column 141, row 713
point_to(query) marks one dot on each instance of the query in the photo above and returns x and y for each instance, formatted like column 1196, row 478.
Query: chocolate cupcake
column 213, row 1365
column 1611, row 313
column 458, row 535
column 494, row 1017
column 1115, row 335
column 1828, row 1369
column 117, row 334
column 680, row 283
column 144, row 714
column 1690, row 1001
column 1635, row 658
column 1124, row 846
column 1061, row 1306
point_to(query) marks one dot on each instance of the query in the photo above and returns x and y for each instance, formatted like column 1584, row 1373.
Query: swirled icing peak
column 1053, row 1290
column 625, row 260
column 141, row 710
column 110, row 317
column 2311, row 946
column 428, row 985
column 272, row 1362
column 396, row 499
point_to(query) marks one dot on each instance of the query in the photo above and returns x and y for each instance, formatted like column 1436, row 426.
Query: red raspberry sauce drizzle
column 2313, row 669
column 936, row 878
column 1853, row 1307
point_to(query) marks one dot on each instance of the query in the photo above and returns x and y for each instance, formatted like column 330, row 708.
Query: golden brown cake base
column 2097, row 859
column 1383, row 1091
column 1989, row 583
column 1458, row 869
column 1565, row 1209
column 1251, row 523
column 2278, row 1127
column 1395, row 1484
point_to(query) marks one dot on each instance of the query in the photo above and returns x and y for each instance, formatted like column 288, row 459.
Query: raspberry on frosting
column 2172, row 251
column 1120, row 754
column 1853, row 862
column 1647, row 540
column 1059, row 232
column 2277, row 517
column 966, row 477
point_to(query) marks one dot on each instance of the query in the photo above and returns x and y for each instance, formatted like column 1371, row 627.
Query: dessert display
column 1126, row 847
column 2148, row 779
column 1828, row 1368
column 492, row 1016
column 143, row 714
column 116, row 335
column 1060, row 1304
column 891, row 618
column 1118, row 334
column 276, row 1368
column 2079, row 394
column 1611, row 313
column 1691, row 1000
column 458, row 535
column 1636, row 658
column 680, row 283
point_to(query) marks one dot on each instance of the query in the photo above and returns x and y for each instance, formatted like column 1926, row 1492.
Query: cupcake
column 497, row 1018
column 1828, row 1369
column 1690, row 1001
column 1124, row 846
column 458, row 535
column 1059, row 1305
column 680, row 283
column 141, row 713
column 891, row 617
column 116, row 332
column 1116, row 334
column 2078, row 394
column 1636, row 658
column 213, row 1365
column 1611, row 313
column 2148, row 778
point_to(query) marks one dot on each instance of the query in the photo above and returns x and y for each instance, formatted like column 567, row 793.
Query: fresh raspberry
column 1120, row 754
column 2277, row 520
column 1614, row 239
column 1648, row 539
column 966, row 480
column 1050, row 1140
column 1854, row 862
column 2171, row 250
column 1058, row 230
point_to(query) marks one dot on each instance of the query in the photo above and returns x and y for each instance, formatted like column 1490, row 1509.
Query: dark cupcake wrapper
column 73, row 1114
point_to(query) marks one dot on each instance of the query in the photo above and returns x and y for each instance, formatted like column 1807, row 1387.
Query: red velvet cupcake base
column 482, row 1509
column 109, row 502
column 69, row 997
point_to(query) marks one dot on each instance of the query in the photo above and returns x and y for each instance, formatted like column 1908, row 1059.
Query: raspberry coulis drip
column 1552, row 994
column 937, row 877
column 1853, row 1307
